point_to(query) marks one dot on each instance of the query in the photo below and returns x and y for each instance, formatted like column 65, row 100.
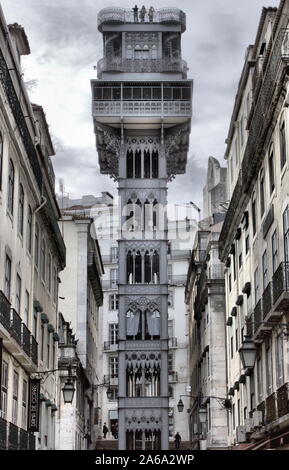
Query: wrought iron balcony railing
column 281, row 287
column 34, row 350
column 115, row 64
column 173, row 342
column 108, row 346
column 267, row 300
column 5, row 307
column 271, row 411
column 117, row 15
column 257, row 316
column 283, row 400
column 142, row 108
column 14, row 438
column 16, row 324
column 26, row 340
column 111, row 380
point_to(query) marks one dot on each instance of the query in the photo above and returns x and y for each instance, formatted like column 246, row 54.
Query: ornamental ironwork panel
column 267, row 300
column 271, row 412
column 16, row 326
column 3, row 434
column 281, row 281
column 26, row 340
column 13, row 437
column 283, row 400
column 257, row 316
column 31, row 441
column 23, row 440
column 34, row 350
column 5, row 311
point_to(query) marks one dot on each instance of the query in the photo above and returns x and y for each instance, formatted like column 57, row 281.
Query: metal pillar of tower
column 142, row 107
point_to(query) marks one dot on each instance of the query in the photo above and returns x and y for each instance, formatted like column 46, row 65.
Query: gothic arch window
column 155, row 164
column 153, row 324
column 147, row 163
column 145, row 52
column 129, row 267
column 138, row 268
column 138, row 163
column 137, row 52
column 154, row 52
column 156, row 268
column 148, row 267
column 129, row 163
column 133, row 324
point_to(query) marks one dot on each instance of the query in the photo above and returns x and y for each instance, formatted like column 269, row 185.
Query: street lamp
column 68, row 391
column 202, row 415
column 109, row 393
column 248, row 353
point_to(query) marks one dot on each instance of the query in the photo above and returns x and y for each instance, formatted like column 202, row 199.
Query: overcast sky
column 65, row 45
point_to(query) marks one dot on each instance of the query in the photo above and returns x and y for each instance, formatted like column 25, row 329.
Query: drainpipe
column 36, row 210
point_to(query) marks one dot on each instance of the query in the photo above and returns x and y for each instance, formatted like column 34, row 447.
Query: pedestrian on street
column 135, row 13
column 105, row 430
column 177, row 440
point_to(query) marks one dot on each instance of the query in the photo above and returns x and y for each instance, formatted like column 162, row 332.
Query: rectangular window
column 36, row 247
column 232, row 347
column 113, row 333
column 113, row 278
column 260, row 379
column 170, row 363
column 27, row 307
column 24, row 404
column 286, row 232
column 254, row 221
column 42, row 342
column 265, row 269
column 237, row 339
column 55, row 294
column 230, row 282
column 15, row 397
column 113, row 302
column 49, row 272
column 29, row 230
column 240, row 260
column 113, row 367
column 48, row 350
column 274, row 251
column 282, row 136
column 18, row 294
column 247, row 244
column 279, row 361
column 114, row 254
column 43, row 261
column 256, row 284
column 4, row 389
column 271, row 172
column 34, row 326
column 262, row 195
column 269, row 378
column 252, row 393
column 7, row 286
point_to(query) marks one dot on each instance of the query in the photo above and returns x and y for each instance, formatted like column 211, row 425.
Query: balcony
column 283, row 400
column 281, row 288
column 271, row 411
column 118, row 64
column 14, row 438
column 111, row 380
column 257, row 316
column 117, row 15
column 16, row 336
column 110, row 347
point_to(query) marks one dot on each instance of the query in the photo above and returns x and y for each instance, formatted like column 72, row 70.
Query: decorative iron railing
column 16, row 323
column 280, row 280
column 26, row 340
column 3, row 434
column 23, row 440
column 142, row 108
column 13, row 437
column 257, row 316
column 267, row 300
column 283, row 400
column 5, row 308
column 115, row 64
column 34, row 350
column 271, row 412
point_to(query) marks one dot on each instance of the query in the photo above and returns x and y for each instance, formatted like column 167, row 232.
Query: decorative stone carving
column 176, row 147
column 142, row 246
column 143, row 303
column 109, row 148
column 143, row 195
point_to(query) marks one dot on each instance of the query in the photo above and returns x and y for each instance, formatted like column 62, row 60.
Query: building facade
column 141, row 113
column 205, row 298
column 254, row 240
column 81, row 296
column 32, row 253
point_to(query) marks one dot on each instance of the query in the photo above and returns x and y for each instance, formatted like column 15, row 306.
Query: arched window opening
column 138, row 268
column 133, row 324
column 153, row 324
column 129, row 267
column 142, row 380
column 154, row 52
column 147, row 164
column 129, row 164
column 155, row 164
column 148, row 268
column 11, row 181
column 138, row 163
column 156, row 268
